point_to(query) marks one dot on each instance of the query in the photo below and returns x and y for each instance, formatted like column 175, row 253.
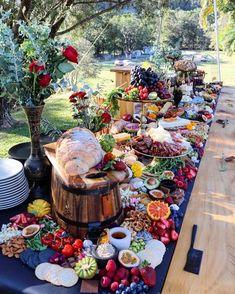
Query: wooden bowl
column 30, row 231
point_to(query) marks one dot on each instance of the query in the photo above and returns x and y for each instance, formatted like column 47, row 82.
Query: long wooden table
column 212, row 208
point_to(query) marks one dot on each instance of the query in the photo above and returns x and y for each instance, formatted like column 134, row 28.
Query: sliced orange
column 158, row 209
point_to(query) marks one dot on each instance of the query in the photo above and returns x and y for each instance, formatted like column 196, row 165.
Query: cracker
column 42, row 270
column 67, row 277
column 52, row 275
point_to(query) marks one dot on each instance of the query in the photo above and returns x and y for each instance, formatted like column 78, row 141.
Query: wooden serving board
column 79, row 181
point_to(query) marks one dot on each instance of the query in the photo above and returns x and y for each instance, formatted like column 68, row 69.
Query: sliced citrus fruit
column 158, row 209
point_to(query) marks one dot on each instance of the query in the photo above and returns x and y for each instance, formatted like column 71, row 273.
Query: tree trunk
column 6, row 120
column 160, row 27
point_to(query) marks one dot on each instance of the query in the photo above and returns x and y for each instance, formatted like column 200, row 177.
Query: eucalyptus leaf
column 65, row 67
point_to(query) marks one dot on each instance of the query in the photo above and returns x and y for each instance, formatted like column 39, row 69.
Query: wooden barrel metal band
column 80, row 224
column 90, row 192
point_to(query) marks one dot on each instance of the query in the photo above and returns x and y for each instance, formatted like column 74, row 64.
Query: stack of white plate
column 14, row 188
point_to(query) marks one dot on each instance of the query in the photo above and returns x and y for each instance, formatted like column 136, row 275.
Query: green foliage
column 124, row 33
column 16, row 79
column 107, row 142
column 88, row 66
column 182, row 30
column 163, row 59
column 112, row 100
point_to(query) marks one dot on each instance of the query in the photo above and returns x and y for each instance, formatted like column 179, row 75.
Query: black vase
column 37, row 167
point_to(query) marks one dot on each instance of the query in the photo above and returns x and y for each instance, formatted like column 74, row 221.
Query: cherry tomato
column 67, row 250
column 78, row 244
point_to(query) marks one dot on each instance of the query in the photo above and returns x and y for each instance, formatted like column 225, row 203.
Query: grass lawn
column 227, row 68
column 57, row 109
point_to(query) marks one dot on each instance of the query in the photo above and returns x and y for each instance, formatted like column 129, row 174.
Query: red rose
column 71, row 54
column 35, row 66
column 72, row 100
column 44, row 80
column 106, row 117
column 80, row 94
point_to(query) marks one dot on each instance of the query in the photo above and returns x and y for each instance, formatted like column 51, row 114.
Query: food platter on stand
column 143, row 102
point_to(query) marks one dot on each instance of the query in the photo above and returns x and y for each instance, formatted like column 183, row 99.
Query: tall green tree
column 181, row 30
column 226, row 9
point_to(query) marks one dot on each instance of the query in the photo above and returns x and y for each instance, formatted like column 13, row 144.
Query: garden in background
column 125, row 31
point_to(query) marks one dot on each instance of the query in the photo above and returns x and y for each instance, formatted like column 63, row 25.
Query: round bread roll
column 78, row 151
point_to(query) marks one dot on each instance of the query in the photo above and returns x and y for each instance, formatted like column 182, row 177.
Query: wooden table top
column 212, row 208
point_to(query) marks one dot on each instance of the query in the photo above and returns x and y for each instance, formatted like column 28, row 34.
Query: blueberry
column 145, row 288
column 121, row 287
column 118, row 292
column 123, row 292
column 139, row 288
column 128, row 290
column 133, row 285
column 141, row 283
column 133, row 292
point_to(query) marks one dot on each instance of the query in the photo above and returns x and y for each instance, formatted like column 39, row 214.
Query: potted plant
column 31, row 70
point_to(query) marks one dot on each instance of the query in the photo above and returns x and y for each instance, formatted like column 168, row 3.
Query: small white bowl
column 30, row 231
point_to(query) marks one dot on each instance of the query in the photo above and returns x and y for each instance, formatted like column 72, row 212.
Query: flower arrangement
column 33, row 67
column 88, row 113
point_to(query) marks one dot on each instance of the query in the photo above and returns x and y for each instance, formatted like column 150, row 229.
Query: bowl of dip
column 103, row 252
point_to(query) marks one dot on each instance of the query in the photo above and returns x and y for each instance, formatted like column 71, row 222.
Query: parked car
column 120, row 62
column 208, row 58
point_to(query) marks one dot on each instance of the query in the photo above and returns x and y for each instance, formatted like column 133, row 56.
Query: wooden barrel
column 83, row 211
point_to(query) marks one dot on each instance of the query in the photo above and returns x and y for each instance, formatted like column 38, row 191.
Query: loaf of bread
column 77, row 151
column 185, row 65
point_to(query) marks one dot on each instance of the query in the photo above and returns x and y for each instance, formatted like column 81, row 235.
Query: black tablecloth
column 16, row 277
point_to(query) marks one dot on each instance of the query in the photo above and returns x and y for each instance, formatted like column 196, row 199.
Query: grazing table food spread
column 117, row 200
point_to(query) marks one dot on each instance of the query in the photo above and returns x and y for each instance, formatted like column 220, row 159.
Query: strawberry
column 160, row 232
column 179, row 172
column 108, row 157
column 155, row 236
column 114, row 286
column 110, row 274
column 125, row 282
column 135, row 279
column 105, row 282
column 167, row 235
column 121, row 272
column 116, row 278
column 171, row 223
column 185, row 169
column 174, row 235
column 165, row 240
column 135, row 271
column 111, row 266
column 119, row 165
column 148, row 274
column 160, row 225
column 102, row 272
column 169, row 200
column 180, row 184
